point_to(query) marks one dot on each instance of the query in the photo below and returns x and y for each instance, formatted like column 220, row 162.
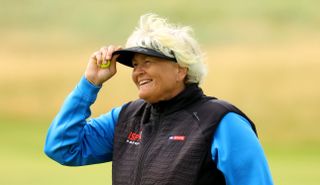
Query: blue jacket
column 75, row 140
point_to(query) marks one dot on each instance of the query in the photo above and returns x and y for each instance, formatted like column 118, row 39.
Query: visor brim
column 126, row 55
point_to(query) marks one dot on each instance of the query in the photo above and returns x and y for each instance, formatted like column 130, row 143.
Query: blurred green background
column 263, row 56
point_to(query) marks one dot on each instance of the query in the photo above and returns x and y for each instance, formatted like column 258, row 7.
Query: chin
column 146, row 97
column 143, row 95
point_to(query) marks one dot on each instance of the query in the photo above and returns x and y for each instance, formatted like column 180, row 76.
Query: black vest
column 169, row 143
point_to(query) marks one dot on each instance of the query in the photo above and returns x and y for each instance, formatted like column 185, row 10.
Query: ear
column 182, row 73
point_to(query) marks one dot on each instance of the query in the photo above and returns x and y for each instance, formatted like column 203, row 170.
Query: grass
column 297, row 164
column 23, row 161
column 281, row 96
column 262, row 56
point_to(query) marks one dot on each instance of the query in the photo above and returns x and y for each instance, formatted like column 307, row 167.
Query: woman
column 173, row 134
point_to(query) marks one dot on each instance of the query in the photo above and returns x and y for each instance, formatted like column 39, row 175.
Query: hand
column 94, row 73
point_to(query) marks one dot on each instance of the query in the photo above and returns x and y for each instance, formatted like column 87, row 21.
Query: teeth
column 142, row 82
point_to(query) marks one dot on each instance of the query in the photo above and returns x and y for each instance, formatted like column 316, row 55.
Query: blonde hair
column 173, row 41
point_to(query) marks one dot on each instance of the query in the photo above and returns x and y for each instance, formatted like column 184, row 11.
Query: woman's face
column 157, row 79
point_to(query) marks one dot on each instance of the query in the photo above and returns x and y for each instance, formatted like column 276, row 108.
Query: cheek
column 134, row 77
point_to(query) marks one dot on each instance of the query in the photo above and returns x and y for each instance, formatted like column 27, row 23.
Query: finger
column 118, row 48
column 104, row 51
column 110, row 50
column 114, row 57
column 98, row 56
column 94, row 56
column 114, row 61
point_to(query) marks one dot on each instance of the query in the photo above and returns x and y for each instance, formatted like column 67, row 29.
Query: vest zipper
column 145, row 151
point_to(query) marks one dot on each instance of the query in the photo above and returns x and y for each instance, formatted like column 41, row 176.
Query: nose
column 137, row 71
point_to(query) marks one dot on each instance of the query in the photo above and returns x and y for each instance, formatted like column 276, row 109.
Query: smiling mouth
column 144, row 82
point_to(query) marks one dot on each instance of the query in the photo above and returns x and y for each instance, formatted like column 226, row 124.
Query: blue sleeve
column 72, row 139
column 238, row 154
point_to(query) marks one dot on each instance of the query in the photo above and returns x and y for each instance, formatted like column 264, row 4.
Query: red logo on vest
column 134, row 138
column 177, row 138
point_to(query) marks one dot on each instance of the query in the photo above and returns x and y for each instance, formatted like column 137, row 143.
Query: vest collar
column 190, row 94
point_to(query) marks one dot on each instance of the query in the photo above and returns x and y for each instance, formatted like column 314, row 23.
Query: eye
column 147, row 62
column 134, row 64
